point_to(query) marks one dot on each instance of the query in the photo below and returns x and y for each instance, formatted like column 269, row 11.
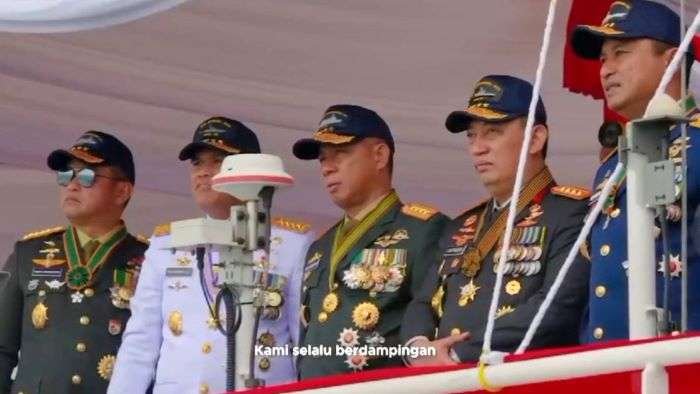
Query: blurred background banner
column 276, row 66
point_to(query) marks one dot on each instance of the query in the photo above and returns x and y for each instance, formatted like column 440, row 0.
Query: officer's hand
column 442, row 348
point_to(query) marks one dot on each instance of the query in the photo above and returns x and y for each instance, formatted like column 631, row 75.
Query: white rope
column 592, row 216
column 519, row 176
column 684, row 189
column 673, row 66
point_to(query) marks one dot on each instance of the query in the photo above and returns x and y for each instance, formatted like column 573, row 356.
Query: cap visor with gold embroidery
column 58, row 160
column 459, row 121
column 587, row 40
column 310, row 148
column 189, row 151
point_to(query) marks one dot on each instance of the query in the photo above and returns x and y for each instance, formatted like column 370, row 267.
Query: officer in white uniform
column 172, row 340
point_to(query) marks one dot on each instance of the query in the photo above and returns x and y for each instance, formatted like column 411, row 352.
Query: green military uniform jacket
column 68, row 337
column 381, row 266
column 457, row 296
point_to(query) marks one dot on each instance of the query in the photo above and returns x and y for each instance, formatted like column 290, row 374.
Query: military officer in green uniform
column 451, row 312
column 67, row 299
column 360, row 274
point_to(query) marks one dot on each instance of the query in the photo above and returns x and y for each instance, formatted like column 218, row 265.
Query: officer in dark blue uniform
column 635, row 42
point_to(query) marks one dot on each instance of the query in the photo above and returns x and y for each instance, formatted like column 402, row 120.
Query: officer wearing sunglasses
column 67, row 300
column 85, row 176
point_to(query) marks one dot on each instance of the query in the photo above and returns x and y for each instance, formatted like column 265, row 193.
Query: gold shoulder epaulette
column 42, row 233
column 475, row 206
column 419, row 210
column 575, row 192
column 161, row 230
column 142, row 239
column 695, row 122
column 290, row 224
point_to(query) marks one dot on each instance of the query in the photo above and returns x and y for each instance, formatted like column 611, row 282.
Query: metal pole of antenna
column 640, row 249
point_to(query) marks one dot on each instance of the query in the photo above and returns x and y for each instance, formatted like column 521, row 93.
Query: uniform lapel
column 522, row 214
column 117, row 259
column 325, row 249
column 534, row 192
column 121, row 270
column 610, row 161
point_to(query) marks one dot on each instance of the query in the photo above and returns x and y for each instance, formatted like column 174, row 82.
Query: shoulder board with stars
column 419, row 210
column 574, row 192
column 161, row 230
column 142, row 239
column 290, row 224
column 42, row 233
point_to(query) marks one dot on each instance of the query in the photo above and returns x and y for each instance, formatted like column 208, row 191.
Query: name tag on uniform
column 47, row 273
column 178, row 271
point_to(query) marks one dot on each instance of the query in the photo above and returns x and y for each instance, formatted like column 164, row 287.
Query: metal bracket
column 647, row 137
column 659, row 185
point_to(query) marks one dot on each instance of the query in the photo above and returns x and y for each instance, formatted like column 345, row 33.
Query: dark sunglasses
column 86, row 177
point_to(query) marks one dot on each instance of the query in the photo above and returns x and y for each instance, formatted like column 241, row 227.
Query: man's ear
column 540, row 134
column 669, row 54
column 382, row 155
column 125, row 190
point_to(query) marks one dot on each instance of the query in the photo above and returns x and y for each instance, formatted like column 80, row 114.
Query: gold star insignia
column 468, row 293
